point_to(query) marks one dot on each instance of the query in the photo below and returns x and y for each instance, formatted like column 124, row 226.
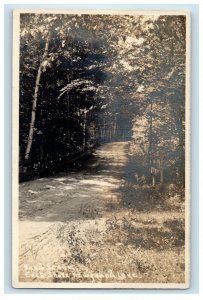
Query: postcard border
column 15, row 152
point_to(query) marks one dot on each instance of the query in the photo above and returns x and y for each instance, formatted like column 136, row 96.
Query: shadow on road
column 78, row 194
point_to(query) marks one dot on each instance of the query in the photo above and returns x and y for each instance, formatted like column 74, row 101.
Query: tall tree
column 35, row 97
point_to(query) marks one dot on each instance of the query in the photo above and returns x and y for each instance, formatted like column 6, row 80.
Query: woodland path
column 74, row 227
column 61, row 198
column 47, row 204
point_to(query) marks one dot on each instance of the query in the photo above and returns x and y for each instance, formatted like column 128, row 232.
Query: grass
column 141, row 240
column 134, row 245
column 121, row 231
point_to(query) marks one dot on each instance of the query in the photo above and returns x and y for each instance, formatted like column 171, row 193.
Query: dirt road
column 62, row 198
column 73, row 228
column 47, row 204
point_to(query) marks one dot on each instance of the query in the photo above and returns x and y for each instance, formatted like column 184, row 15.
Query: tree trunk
column 161, row 167
column 150, row 150
column 104, row 132
column 68, row 98
column 150, row 131
column 153, row 180
column 35, row 98
column 110, row 133
column 84, row 130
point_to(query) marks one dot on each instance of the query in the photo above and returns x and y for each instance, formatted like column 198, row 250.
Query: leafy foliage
column 105, row 77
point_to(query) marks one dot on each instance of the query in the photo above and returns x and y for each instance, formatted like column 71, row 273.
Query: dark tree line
column 88, row 79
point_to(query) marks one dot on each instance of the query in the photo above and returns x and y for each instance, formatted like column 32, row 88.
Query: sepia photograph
column 101, row 149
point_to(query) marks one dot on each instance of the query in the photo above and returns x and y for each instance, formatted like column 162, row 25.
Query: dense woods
column 91, row 79
column 102, row 150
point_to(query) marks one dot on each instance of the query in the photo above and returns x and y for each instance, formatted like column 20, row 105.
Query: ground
column 94, row 225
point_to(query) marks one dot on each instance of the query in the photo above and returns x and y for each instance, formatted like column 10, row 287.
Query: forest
column 86, row 80
column 102, row 148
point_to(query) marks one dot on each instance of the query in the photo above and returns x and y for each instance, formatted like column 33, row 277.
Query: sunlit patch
column 97, row 182
column 60, row 179
column 68, row 187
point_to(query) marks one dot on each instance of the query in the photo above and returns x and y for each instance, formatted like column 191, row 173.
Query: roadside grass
column 138, row 236
column 130, row 243
column 133, row 233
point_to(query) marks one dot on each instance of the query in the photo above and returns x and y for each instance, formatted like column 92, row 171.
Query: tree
column 42, row 65
column 103, row 77
column 74, row 62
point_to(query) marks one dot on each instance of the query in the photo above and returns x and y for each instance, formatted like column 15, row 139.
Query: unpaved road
column 49, row 204
column 62, row 198
column 74, row 228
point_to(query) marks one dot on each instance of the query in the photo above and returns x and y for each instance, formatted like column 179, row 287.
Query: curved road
column 74, row 227
column 85, row 197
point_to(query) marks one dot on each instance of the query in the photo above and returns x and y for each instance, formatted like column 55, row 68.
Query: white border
column 108, row 295
column 15, row 148
column 15, row 155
